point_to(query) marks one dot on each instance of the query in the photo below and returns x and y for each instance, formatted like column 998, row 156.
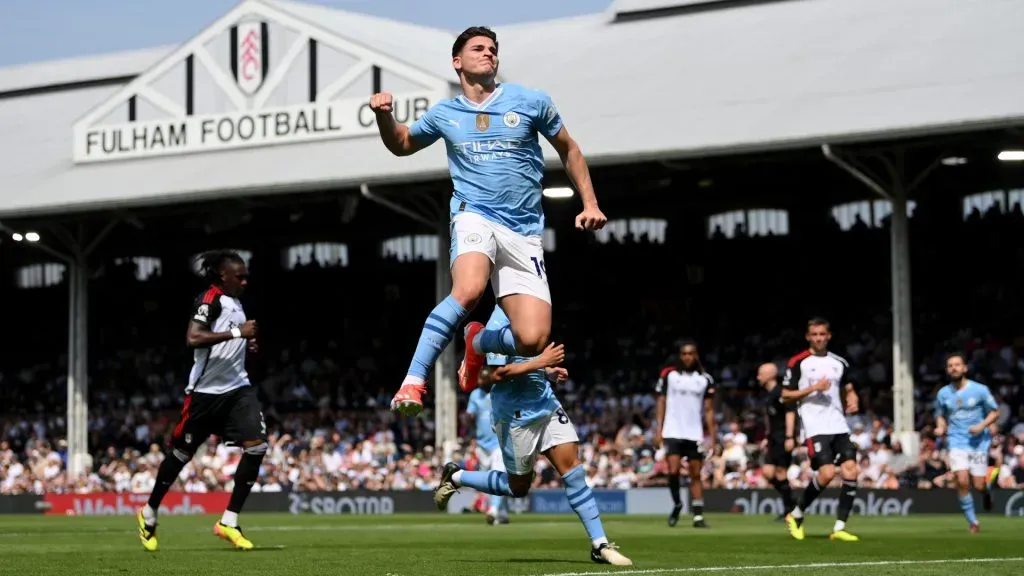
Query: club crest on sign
column 483, row 122
column 250, row 55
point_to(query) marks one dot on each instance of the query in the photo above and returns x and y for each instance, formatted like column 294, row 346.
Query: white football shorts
column 520, row 445
column 490, row 460
column 975, row 461
column 518, row 260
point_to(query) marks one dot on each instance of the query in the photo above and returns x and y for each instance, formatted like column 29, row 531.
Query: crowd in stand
column 326, row 378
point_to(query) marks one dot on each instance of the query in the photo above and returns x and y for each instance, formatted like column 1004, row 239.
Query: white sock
column 492, row 512
column 410, row 379
column 149, row 515
column 797, row 513
column 457, row 478
column 229, row 519
column 840, row 525
column 598, row 541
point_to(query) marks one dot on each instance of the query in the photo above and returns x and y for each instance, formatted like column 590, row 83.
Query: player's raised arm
column 549, row 123
column 400, row 139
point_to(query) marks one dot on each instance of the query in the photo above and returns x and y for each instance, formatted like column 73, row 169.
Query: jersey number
column 539, row 265
column 562, row 418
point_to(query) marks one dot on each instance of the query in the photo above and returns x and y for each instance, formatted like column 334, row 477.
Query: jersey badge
column 483, row 122
column 511, row 119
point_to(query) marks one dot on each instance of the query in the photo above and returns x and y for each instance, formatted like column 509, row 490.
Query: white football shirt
column 684, row 402
column 221, row 367
column 821, row 413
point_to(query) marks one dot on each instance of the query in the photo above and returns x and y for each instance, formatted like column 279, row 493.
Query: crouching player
column 529, row 419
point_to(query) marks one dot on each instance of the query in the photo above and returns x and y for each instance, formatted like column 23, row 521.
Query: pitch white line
column 700, row 569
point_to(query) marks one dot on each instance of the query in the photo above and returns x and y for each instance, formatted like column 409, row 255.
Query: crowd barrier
column 636, row 501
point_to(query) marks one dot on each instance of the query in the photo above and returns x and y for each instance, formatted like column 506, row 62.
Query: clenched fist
column 382, row 103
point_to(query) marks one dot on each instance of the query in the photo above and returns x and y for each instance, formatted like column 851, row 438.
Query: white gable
column 259, row 76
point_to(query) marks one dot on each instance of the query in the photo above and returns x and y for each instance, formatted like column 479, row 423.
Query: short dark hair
column 472, row 32
column 957, row 354
column 687, row 342
column 818, row 321
column 214, row 260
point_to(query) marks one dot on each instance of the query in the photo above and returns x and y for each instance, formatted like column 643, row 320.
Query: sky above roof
column 56, row 29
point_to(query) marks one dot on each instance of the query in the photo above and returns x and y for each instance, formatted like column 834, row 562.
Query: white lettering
column 297, row 123
column 341, row 504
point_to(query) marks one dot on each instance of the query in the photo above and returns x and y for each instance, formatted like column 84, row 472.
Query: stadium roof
column 647, row 79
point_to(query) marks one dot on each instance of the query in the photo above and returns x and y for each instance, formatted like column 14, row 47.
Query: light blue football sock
column 967, row 505
column 582, row 500
column 500, row 341
column 438, row 331
column 489, row 482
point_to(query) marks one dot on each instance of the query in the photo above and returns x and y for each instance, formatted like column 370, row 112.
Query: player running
column 813, row 379
column 685, row 407
column 487, row 452
column 964, row 411
column 496, row 165
column 219, row 398
column 529, row 420
column 781, row 420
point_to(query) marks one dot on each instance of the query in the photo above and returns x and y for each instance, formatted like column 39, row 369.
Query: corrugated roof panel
column 634, row 6
column 428, row 49
column 83, row 69
column 761, row 77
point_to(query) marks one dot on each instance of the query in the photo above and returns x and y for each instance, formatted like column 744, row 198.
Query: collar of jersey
column 483, row 105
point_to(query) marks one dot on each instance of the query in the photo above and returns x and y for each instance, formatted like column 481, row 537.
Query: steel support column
column 896, row 192
column 77, row 274
column 446, row 434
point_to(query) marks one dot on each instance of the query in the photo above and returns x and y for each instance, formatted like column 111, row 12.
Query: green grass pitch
column 428, row 545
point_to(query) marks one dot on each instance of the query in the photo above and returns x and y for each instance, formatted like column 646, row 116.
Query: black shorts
column 777, row 455
column 236, row 416
column 830, row 449
column 688, row 449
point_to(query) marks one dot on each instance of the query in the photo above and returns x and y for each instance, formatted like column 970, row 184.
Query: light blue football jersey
column 480, row 407
column 521, row 400
column 963, row 409
column 494, row 155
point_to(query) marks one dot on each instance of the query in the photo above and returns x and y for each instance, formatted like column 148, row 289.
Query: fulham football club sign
column 257, row 77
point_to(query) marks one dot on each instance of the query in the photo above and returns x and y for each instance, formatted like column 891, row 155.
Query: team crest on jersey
column 473, row 238
column 483, row 122
column 511, row 119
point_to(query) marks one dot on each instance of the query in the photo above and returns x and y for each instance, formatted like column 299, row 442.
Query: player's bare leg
column 697, row 493
column 819, row 481
column 565, row 459
column 470, row 273
column 674, row 466
column 530, row 318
